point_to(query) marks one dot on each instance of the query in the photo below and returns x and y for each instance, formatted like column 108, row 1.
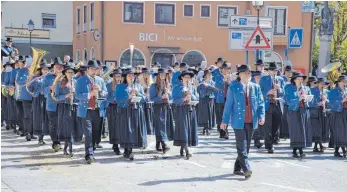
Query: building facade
column 53, row 26
column 192, row 32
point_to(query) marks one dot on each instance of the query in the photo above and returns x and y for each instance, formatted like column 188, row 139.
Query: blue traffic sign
column 307, row 6
column 242, row 21
column 236, row 35
column 295, row 38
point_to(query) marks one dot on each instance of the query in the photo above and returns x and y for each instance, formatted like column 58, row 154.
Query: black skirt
column 319, row 122
column 132, row 127
column 67, row 123
column 11, row 111
column 111, row 112
column 204, row 111
column 163, row 122
column 40, row 117
column 300, row 131
column 339, row 126
column 219, row 112
column 149, row 118
column 284, row 130
column 186, row 126
column 4, row 108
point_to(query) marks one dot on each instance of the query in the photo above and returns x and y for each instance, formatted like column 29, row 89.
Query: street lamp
column 31, row 26
column 131, row 46
column 258, row 5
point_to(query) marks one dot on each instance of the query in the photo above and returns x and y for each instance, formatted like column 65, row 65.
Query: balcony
column 280, row 35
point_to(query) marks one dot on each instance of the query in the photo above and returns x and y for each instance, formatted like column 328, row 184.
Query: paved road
column 27, row 167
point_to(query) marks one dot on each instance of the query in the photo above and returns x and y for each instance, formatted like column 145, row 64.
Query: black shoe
column 248, row 174
column 28, row 137
column 302, row 155
column 238, row 173
column 33, row 137
column 181, row 152
column 203, row 132
column 165, row 148
column 7, row 127
column 90, row 159
column 157, row 146
column 259, row 145
column 131, row 156
column 117, row 151
column 295, row 155
column 331, row 146
column 42, row 142
column 276, row 141
column 315, row 150
column 126, row 153
column 20, row 133
column 208, row 132
column 104, row 136
column 271, row 151
column 337, row 154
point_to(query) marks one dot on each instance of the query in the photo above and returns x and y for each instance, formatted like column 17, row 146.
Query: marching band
column 82, row 102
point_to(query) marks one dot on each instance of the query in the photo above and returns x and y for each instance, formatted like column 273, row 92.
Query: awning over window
column 164, row 50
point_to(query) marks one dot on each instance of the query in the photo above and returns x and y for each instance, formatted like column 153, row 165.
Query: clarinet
column 323, row 103
column 71, row 98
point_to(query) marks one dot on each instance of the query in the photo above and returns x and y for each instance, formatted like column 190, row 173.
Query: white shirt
column 244, row 88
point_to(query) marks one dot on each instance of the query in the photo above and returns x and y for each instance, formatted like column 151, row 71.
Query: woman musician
column 130, row 117
column 337, row 100
column 186, row 126
column 160, row 94
column 298, row 115
column 111, row 110
column 205, row 107
column 35, row 87
column 145, row 81
column 67, row 125
column 319, row 121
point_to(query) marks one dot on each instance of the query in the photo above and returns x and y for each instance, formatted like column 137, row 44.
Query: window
column 205, row 11
column 193, row 58
column 165, row 14
column 188, row 10
column 48, row 20
column 92, row 53
column 132, row 12
column 85, row 56
column 78, row 18
column 280, row 18
column 78, row 56
column 85, row 18
column 223, row 15
column 137, row 59
column 91, row 16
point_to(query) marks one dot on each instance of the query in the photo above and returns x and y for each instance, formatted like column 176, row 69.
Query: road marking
column 227, row 165
column 285, row 187
column 195, row 163
column 294, row 164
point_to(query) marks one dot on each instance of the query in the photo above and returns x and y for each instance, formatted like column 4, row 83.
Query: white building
column 53, row 25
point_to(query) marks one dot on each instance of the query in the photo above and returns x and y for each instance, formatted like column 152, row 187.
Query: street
column 27, row 167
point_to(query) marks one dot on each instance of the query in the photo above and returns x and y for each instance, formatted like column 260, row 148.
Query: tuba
column 331, row 69
column 38, row 55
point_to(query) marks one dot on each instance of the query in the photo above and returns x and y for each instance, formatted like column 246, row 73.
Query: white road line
column 293, row 164
column 195, row 163
column 227, row 164
column 285, row 187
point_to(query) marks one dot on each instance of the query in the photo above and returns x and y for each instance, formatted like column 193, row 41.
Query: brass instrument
column 331, row 69
column 5, row 90
column 344, row 96
column 38, row 54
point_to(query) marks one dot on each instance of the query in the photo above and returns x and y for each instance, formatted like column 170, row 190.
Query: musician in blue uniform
column 8, row 50
column 88, row 89
column 160, row 94
column 131, row 119
column 337, row 100
column 26, row 98
column 288, row 72
column 10, row 102
column 186, row 125
column 284, row 131
column 272, row 87
column 222, row 81
column 35, row 88
column 244, row 109
column 18, row 103
column 259, row 132
column 64, row 94
column 259, row 66
column 312, row 81
column 206, row 102
column 51, row 104
column 111, row 110
column 175, row 80
column 298, row 115
column 319, row 120
column 103, row 124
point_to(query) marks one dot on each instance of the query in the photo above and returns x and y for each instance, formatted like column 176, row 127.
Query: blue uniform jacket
column 82, row 91
column 175, row 80
column 153, row 96
column 110, row 94
column 234, row 109
column 36, row 86
column 122, row 94
column 292, row 97
column 51, row 104
column 317, row 96
column 206, row 91
column 266, row 85
column 178, row 94
column 218, row 78
column 21, row 79
column 335, row 96
column 61, row 92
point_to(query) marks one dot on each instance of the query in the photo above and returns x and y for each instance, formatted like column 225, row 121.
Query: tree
column 339, row 40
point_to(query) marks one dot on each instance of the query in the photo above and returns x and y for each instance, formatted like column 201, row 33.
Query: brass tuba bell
column 332, row 70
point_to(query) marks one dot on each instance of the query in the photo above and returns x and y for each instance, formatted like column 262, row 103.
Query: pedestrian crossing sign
column 295, row 38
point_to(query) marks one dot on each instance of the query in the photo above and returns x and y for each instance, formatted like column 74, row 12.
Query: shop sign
column 24, row 33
